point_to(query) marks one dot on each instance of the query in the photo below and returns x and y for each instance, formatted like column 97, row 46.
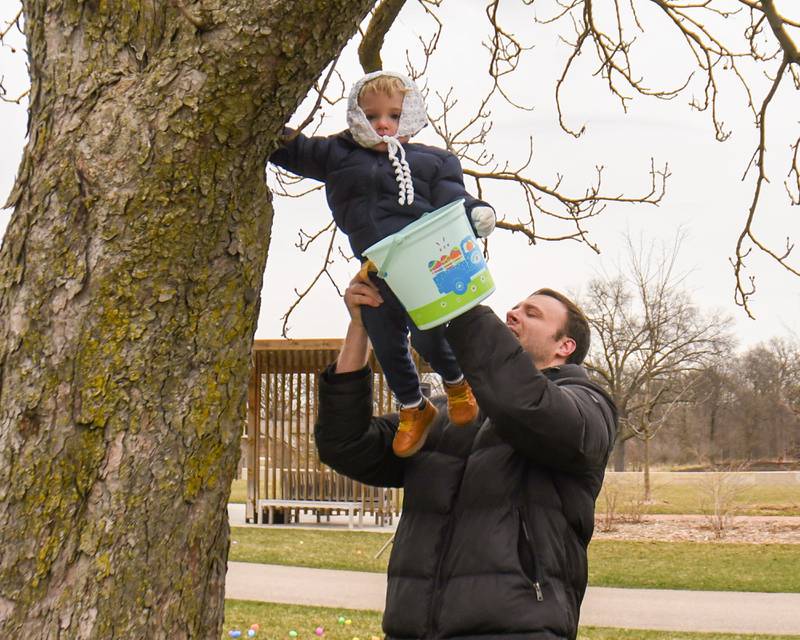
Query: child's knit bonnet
column 412, row 119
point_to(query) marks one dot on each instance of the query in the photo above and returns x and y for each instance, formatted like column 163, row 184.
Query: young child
column 376, row 183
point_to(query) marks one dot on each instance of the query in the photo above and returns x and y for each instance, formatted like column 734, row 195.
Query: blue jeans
column 388, row 327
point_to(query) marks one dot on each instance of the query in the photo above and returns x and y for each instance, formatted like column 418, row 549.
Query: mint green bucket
column 434, row 266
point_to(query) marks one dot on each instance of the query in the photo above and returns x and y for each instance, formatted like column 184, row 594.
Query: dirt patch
column 742, row 529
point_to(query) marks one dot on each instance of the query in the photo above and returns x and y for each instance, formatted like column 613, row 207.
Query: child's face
column 383, row 113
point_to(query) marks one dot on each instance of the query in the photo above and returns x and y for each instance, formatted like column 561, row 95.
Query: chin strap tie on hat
column 401, row 170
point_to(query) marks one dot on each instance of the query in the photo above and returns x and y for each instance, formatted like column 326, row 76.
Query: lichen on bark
column 128, row 295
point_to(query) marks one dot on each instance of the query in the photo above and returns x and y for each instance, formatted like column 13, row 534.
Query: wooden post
column 252, row 441
column 288, row 369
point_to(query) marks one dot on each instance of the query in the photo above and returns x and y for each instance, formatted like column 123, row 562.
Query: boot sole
column 463, row 424
column 418, row 446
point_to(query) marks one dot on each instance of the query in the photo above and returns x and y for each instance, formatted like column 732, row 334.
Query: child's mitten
column 483, row 219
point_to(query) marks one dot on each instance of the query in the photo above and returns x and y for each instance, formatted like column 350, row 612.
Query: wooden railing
column 280, row 456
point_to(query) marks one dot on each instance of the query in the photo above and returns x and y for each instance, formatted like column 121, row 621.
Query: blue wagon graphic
column 453, row 272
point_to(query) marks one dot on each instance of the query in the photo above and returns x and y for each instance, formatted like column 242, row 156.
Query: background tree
column 648, row 338
column 768, row 421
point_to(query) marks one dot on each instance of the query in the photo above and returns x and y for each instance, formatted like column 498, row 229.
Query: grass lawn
column 352, row 550
column 647, row 565
column 686, row 497
column 671, row 496
column 276, row 620
column 695, row 565
column 238, row 491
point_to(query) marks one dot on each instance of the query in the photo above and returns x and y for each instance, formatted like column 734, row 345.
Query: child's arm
column 449, row 186
column 305, row 156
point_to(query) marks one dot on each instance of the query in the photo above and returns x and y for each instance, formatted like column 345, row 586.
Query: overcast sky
column 706, row 197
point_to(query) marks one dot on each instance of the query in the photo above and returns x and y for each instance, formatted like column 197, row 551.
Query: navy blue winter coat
column 497, row 515
column 361, row 188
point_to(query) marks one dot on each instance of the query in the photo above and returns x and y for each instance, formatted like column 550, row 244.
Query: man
column 496, row 514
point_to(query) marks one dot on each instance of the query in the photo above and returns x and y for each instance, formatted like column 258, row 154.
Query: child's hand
column 483, row 219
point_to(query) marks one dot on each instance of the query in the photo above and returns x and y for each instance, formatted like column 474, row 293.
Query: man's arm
column 563, row 427
column 348, row 437
column 355, row 350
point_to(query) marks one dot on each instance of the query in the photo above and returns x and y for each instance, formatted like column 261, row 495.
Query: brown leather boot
column 366, row 267
column 462, row 408
column 413, row 429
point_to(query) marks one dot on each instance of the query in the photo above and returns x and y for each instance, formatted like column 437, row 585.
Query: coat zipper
column 537, row 586
column 435, row 600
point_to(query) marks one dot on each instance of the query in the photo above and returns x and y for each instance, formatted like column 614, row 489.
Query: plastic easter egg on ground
column 348, row 621
column 255, row 626
column 251, row 633
column 319, row 631
column 341, row 619
column 293, row 634
column 235, row 633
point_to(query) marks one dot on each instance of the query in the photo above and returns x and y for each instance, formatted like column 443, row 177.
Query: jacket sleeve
column 561, row 427
column 448, row 186
column 349, row 438
column 304, row 156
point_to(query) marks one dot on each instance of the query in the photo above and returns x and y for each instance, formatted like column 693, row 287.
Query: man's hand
column 361, row 291
column 355, row 349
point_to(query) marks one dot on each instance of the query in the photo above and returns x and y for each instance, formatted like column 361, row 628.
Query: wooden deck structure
column 284, row 473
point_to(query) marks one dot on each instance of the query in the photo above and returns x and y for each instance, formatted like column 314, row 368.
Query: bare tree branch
column 698, row 25
column 742, row 292
column 303, row 244
column 383, row 17
column 320, row 90
column 13, row 23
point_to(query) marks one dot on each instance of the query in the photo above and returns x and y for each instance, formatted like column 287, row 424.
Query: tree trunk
column 130, row 272
column 646, row 442
column 619, row 455
column 712, row 434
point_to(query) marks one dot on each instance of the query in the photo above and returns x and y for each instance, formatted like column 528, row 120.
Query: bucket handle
column 384, row 270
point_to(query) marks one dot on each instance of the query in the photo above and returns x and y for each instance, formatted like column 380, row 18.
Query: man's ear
column 566, row 347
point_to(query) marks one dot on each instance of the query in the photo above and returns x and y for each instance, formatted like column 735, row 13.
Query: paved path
column 711, row 611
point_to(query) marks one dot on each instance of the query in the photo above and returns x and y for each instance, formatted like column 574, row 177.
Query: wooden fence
column 283, row 469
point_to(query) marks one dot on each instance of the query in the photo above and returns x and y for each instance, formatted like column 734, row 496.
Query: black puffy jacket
column 361, row 188
column 496, row 515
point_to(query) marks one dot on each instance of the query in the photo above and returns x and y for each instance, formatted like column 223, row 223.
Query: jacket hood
column 575, row 374
column 412, row 120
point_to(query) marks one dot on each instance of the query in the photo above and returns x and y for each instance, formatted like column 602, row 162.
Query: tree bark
column 369, row 51
column 647, row 491
column 619, row 455
column 130, row 273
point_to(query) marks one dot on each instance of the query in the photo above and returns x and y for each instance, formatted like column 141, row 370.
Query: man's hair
column 382, row 84
column 576, row 326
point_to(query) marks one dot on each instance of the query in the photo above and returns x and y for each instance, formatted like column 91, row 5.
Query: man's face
column 537, row 322
column 383, row 113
